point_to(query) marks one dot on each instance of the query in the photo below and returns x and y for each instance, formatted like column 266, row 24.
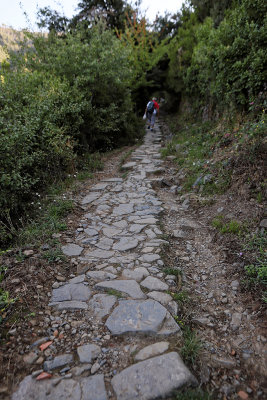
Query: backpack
column 150, row 107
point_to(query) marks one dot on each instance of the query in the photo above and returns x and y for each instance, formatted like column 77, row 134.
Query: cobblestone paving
column 117, row 308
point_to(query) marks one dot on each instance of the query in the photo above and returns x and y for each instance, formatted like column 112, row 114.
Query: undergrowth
column 256, row 271
column 208, row 153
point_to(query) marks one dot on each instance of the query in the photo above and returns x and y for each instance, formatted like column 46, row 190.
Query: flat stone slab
column 136, row 228
column 123, row 209
column 133, row 316
column 91, row 232
column 101, row 304
column 126, row 243
column 148, row 221
column 149, row 257
column 111, row 232
column 99, row 254
column 112, row 180
column 162, row 298
column 72, row 250
column 77, row 279
column 105, row 243
column 90, row 198
column 128, row 165
column 100, row 275
column 99, row 187
column 153, row 350
column 88, row 352
column 153, row 283
column 91, row 388
column 70, row 305
column 129, row 287
column 137, row 274
column 58, row 362
column 151, row 379
column 71, row 291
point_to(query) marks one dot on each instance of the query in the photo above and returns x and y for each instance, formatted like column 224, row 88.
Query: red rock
column 43, row 375
column 55, row 333
column 243, row 395
column 45, row 345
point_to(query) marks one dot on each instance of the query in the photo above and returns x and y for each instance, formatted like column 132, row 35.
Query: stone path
column 116, row 313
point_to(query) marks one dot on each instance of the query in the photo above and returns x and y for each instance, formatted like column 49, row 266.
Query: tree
column 211, row 8
column 52, row 20
column 113, row 12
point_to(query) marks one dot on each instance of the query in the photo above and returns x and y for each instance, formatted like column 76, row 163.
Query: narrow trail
column 116, row 310
column 110, row 330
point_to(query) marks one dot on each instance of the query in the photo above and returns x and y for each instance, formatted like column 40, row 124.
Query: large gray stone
column 91, row 232
column 100, row 275
column 137, row 274
column 111, row 232
column 129, row 165
column 149, row 258
column 58, row 362
column 136, row 228
column 71, row 291
column 99, row 254
column 153, row 283
column 162, row 298
column 88, row 352
column 129, row 287
column 125, row 243
column 101, row 304
column 153, row 350
column 105, row 244
column 151, row 379
column 112, row 180
column 150, row 221
column 72, row 250
column 123, row 209
column 70, row 305
column 99, row 187
column 132, row 316
column 91, row 388
column 30, row 389
column 90, row 198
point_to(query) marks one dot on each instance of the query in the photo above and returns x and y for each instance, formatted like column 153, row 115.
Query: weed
column 234, row 227
column 124, row 158
column 114, row 292
column 29, row 315
column 90, row 162
column 84, row 175
column 217, row 222
column 5, row 302
column 179, row 321
column 231, row 227
column 181, row 297
column 172, row 271
column 191, row 346
column 54, row 255
column 50, row 221
column 256, row 271
column 164, row 236
column 124, row 175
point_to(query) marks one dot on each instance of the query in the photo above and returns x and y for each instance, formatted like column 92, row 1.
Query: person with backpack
column 151, row 111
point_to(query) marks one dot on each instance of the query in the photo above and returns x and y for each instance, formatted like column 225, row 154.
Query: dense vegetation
column 80, row 87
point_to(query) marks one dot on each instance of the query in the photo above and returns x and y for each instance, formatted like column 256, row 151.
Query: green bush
column 61, row 96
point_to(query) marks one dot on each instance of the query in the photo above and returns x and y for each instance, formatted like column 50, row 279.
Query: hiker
column 151, row 111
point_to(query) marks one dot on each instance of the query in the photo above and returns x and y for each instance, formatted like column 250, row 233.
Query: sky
column 12, row 11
